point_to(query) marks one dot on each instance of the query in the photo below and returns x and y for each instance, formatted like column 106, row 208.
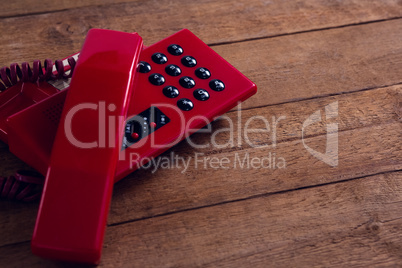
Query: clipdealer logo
column 330, row 156
column 106, row 139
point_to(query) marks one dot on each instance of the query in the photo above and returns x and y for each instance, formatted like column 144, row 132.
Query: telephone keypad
column 187, row 82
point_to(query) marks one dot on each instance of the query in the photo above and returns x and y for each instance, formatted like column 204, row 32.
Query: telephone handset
column 180, row 86
column 75, row 201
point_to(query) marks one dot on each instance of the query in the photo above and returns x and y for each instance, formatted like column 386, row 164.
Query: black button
column 156, row 79
column 159, row 58
column 170, row 91
column 188, row 61
column 173, row 70
column 217, row 85
column 185, row 104
column 203, row 73
column 201, row 94
column 144, row 67
column 187, row 82
column 175, row 50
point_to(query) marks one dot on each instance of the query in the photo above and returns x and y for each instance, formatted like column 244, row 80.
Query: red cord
column 25, row 186
column 10, row 76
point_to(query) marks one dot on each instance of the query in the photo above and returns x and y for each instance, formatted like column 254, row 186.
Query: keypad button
column 203, row 73
column 187, row 82
column 189, row 61
column 175, row 50
column 159, row 58
column 171, row 92
column 217, row 85
column 185, row 104
column 201, row 94
column 156, row 79
column 144, row 67
column 173, row 70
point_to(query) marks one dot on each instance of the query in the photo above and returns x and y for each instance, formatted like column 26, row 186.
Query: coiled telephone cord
column 25, row 186
column 15, row 73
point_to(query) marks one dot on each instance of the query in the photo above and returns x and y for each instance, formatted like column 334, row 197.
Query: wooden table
column 338, row 60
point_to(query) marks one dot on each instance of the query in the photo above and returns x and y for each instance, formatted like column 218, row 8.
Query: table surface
column 318, row 65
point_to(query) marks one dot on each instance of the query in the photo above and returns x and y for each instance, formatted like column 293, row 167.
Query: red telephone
column 33, row 129
column 179, row 86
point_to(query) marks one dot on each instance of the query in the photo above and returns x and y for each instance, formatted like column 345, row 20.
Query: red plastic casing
column 73, row 211
column 23, row 95
column 183, row 123
column 20, row 97
column 33, row 144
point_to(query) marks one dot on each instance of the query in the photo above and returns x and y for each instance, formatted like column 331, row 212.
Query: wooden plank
column 213, row 21
column 354, row 222
column 362, row 152
column 332, row 225
column 356, row 110
column 24, row 7
column 370, row 114
column 258, row 216
column 314, row 13
column 286, row 68
column 296, row 67
column 374, row 115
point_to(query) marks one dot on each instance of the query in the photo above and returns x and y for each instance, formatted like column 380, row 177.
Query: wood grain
column 59, row 34
column 302, row 66
column 362, row 152
column 328, row 226
column 23, row 7
column 321, row 13
column 353, row 223
column 285, row 122
column 303, row 55
column 296, row 67
column 370, row 114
